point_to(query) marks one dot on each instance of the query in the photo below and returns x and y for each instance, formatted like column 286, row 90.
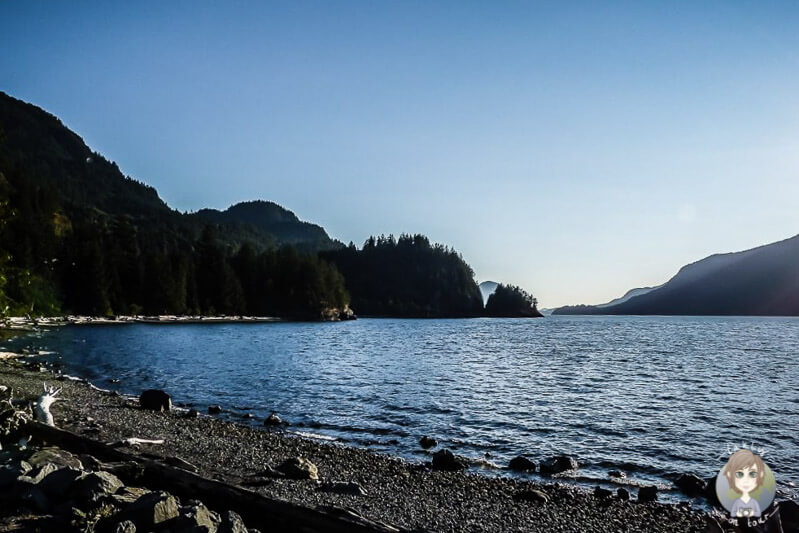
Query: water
column 652, row 396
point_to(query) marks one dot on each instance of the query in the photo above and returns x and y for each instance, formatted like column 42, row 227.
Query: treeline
column 407, row 277
column 93, row 264
column 511, row 301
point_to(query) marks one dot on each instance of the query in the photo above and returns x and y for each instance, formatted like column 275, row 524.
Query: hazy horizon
column 576, row 150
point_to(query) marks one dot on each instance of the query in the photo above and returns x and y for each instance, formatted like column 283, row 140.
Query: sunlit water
column 651, row 396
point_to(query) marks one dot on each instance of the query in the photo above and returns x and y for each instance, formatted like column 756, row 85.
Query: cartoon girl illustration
column 745, row 473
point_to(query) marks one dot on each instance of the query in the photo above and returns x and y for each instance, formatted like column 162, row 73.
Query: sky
column 575, row 149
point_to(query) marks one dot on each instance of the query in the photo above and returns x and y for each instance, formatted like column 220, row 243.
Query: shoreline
column 398, row 492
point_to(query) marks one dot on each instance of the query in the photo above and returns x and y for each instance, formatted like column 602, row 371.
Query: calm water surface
column 652, row 396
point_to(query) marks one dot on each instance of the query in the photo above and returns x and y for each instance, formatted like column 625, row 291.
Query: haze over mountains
column 759, row 281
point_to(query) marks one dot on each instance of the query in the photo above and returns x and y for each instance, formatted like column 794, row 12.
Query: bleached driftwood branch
column 43, row 403
column 135, row 441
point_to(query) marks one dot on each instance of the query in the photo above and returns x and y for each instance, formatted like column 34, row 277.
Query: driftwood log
column 257, row 510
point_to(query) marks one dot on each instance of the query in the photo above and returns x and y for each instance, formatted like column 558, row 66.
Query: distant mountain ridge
column 759, row 281
column 632, row 293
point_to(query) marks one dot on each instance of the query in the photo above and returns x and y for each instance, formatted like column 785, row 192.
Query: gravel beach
column 405, row 495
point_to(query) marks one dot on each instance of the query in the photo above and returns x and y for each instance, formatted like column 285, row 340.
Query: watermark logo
column 746, row 485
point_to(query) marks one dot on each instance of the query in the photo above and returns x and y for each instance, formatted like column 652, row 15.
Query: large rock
column 155, row 400
column 647, row 494
column 623, row 494
column 232, row 523
column 196, row 518
column 521, row 464
column 428, row 442
column 446, row 460
column 690, row 484
column 558, row 464
column 789, row 515
column 151, row 510
column 602, row 493
column 299, row 468
column 214, row 409
column 56, row 456
column 92, row 486
column 59, row 482
column 273, row 420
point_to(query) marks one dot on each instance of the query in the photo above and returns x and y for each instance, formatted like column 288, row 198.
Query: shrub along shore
column 285, row 467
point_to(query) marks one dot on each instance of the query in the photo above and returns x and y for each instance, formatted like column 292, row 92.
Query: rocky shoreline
column 380, row 488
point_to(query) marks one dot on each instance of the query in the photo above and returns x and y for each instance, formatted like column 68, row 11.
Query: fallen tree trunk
column 257, row 510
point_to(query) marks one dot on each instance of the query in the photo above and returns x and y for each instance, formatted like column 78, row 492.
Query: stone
column 127, row 495
column 647, row 494
column 42, row 472
column 343, row 487
column 690, row 484
column 533, row 496
column 232, row 523
column 155, row 400
column 558, row 464
column 56, row 456
column 196, row 518
column 126, row 526
column 623, row 494
column 273, row 420
column 214, row 409
column 150, row 510
column 521, row 464
column 36, row 498
column 299, row 468
column 602, row 493
column 192, row 413
column 617, row 473
column 428, row 442
column 446, row 460
column 59, row 482
column 92, row 486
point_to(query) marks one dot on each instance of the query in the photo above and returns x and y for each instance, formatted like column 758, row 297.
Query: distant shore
column 406, row 495
column 26, row 323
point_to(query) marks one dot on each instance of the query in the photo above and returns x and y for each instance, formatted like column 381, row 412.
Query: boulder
column 59, row 482
column 602, row 493
column 92, row 486
column 521, row 464
column 617, row 473
column 192, row 413
column 299, row 468
column 232, row 523
column 42, row 472
column 127, row 495
column 196, row 518
column 647, row 494
column 214, row 409
column 155, row 400
column 343, row 487
column 151, row 510
column 558, row 464
column 446, row 460
column 428, row 442
column 690, row 484
column 533, row 496
column 623, row 494
column 36, row 498
column 273, row 420
column 56, row 456
column 710, row 492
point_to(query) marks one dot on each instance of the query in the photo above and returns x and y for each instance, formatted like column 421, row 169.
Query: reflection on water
column 652, row 396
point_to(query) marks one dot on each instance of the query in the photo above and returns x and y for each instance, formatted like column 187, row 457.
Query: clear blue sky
column 575, row 149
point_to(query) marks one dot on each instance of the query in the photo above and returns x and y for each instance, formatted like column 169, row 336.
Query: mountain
column 487, row 288
column 759, row 281
column 57, row 163
column 78, row 236
column 629, row 294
